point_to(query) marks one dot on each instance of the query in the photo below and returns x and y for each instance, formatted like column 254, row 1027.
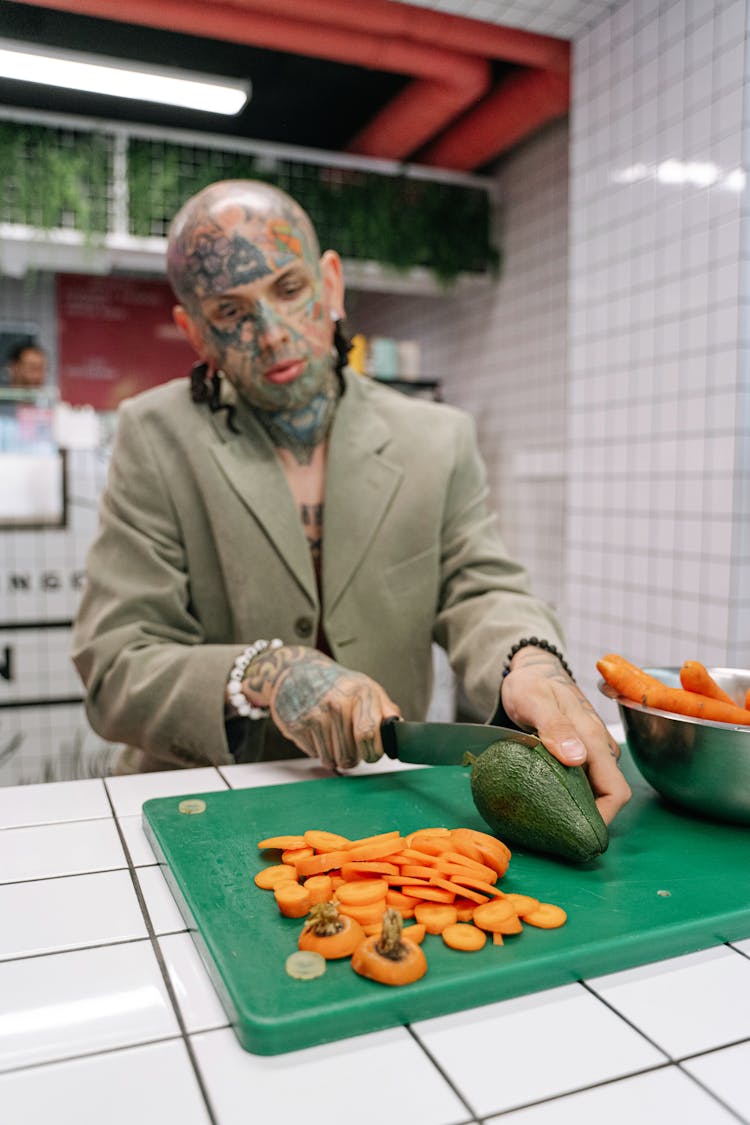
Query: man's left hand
column 539, row 695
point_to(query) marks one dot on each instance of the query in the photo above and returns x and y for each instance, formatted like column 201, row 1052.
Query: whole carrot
column 635, row 684
column 694, row 676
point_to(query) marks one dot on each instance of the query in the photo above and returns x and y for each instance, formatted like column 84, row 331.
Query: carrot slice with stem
column 547, row 916
column 465, row 937
column 270, row 877
column 435, row 916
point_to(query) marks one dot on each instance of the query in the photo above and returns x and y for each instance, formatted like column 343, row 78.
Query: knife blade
column 443, row 744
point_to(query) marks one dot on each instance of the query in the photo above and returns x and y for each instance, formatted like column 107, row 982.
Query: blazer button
column 303, row 626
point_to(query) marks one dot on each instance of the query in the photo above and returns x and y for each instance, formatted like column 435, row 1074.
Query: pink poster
column 116, row 337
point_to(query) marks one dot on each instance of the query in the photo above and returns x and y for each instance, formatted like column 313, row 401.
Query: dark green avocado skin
column 532, row 801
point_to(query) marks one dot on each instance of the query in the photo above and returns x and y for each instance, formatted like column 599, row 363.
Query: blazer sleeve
column 485, row 603
column 150, row 679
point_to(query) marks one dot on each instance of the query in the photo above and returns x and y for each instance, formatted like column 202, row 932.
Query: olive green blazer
column 201, row 551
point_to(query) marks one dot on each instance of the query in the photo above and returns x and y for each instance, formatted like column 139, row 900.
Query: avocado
column 531, row 800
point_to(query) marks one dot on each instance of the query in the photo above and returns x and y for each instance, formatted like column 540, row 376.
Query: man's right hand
column 325, row 709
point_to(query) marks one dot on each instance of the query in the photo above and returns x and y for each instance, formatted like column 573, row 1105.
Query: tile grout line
column 712, row 1093
column 474, row 1115
column 163, row 967
column 672, row 1061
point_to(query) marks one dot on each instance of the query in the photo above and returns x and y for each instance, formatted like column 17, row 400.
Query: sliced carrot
column 292, row 899
column 361, row 867
column 547, row 916
column 370, row 852
column 496, row 859
column 320, row 888
column 401, row 902
column 270, row 877
column 367, row 840
column 462, row 892
column 435, row 916
column 412, row 855
column 373, row 927
column 432, row 845
column 405, row 881
column 481, row 870
column 497, row 939
column 319, row 864
column 465, row 909
column 494, row 915
column 365, row 915
column 362, row 893
column 291, row 855
column 416, row 871
column 336, row 880
column 323, row 841
column 431, row 894
column 461, row 936
column 480, row 885
column 414, row 933
column 463, row 843
column 522, row 904
column 282, row 843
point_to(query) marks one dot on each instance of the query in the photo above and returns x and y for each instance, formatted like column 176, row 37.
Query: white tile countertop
column 107, row 1014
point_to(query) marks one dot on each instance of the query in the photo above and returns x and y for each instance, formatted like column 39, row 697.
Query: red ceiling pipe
column 471, row 37
column 518, row 106
column 449, row 82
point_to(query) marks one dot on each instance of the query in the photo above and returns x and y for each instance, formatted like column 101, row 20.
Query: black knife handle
column 388, row 736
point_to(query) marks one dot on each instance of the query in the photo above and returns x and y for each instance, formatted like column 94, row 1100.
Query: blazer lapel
column 360, row 485
column 252, row 468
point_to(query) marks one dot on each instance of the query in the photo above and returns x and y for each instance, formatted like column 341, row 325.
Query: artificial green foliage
column 54, row 177
column 57, row 177
column 397, row 221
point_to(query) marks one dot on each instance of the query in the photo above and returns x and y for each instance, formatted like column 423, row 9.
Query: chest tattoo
column 312, row 521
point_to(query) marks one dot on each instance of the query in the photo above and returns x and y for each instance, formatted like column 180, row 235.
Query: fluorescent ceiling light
column 27, row 63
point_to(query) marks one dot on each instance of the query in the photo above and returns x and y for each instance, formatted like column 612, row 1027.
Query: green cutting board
column 667, row 885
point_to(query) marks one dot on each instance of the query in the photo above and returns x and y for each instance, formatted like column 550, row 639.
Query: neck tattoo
column 300, row 431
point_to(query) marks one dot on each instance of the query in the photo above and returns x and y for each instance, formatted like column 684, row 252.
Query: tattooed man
column 282, row 540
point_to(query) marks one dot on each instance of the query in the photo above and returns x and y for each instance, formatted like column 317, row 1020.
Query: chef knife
column 443, row 744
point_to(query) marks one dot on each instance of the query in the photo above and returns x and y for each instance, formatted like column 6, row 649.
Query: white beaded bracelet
column 235, row 695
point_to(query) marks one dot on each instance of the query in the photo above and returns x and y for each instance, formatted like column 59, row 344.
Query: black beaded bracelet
column 537, row 643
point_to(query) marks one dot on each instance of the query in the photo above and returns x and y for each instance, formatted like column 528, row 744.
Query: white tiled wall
column 616, row 343
column 656, row 557
column 501, row 354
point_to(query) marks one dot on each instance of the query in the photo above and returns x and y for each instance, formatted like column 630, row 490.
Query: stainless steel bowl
column 700, row 765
